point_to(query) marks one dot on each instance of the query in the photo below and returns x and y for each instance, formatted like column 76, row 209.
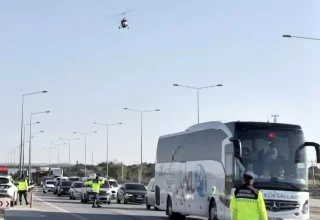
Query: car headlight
column 305, row 207
column 128, row 194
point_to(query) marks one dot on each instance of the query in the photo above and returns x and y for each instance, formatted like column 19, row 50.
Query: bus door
column 229, row 170
column 183, row 185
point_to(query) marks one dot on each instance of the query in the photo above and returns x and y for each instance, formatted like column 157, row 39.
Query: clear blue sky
column 92, row 70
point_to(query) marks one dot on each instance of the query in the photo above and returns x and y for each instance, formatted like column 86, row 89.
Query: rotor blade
column 114, row 16
column 129, row 10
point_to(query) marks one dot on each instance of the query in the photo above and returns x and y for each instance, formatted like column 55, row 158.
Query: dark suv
column 64, row 188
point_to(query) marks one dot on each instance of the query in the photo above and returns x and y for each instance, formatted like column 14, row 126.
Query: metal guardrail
column 314, row 210
column 315, row 193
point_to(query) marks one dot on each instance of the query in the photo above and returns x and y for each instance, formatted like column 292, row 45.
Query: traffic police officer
column 95, row 184
column 247, row 202
column 23, row 189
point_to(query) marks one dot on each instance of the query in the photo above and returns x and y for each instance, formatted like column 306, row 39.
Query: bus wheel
column 169, row 208
column 213, row 212
column 173, row 215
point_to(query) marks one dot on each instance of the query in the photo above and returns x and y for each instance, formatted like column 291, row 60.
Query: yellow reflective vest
column 95, row 184
column 22, row 184
column 248, row 203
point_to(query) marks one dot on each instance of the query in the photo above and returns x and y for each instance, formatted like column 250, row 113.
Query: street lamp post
column 15, row 165
column 85, row 149
column 34, row 113
column 21, row 141
column 198, row 89
column 69, row 140
column 12, row 158
column 7, row 160
column 92, row 157
column 141, row 119
column 49, row 148
column 24, row 136
column 58, row 146
column 306, row 38
column 107, row 126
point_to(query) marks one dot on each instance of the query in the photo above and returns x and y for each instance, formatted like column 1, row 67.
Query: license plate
column 139, row 196
column 1, row 187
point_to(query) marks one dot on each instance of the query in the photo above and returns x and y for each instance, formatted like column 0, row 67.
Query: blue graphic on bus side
column 201, row 180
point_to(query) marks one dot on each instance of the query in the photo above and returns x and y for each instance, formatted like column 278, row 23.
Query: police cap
column 248, row 175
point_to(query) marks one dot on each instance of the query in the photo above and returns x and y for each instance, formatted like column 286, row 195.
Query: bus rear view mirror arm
column 172, row 156
column 237, row 148
column 306, row 144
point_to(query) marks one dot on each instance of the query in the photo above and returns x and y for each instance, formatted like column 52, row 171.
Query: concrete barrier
column 31, row 200
column 2, row 213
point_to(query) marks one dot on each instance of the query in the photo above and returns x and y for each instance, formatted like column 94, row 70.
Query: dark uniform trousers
column 24, row 193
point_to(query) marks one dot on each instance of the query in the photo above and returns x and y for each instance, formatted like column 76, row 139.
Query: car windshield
column 66, row 183
column 136, row 187
column 78, row 185
column 113, row 183
column 106, row 184
column 51, row 182
column 74, row 179
column 4, row 181
column 270, row 154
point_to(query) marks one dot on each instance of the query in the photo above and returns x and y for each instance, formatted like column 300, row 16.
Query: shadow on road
column 28, row 215
column 125, row 208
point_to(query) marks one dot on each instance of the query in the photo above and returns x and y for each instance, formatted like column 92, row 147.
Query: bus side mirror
column 237, row 148
column 310, row 144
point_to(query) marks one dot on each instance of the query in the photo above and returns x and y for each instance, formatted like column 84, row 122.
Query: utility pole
column 275, row 116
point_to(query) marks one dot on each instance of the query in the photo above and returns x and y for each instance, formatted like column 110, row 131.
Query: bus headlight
column 305, row 207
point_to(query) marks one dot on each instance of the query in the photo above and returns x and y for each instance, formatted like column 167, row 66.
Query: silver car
column 76, row 190
column 150, row 198
column 48, row 186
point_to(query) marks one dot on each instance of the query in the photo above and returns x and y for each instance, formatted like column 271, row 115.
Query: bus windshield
column 270, row 154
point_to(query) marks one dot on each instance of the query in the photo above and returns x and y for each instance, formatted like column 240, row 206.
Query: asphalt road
column 51, row 207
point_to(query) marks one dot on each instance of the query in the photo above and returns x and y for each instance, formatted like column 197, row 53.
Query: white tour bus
column 197, row 170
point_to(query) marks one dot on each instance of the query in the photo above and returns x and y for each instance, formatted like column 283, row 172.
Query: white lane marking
column 60, row 209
